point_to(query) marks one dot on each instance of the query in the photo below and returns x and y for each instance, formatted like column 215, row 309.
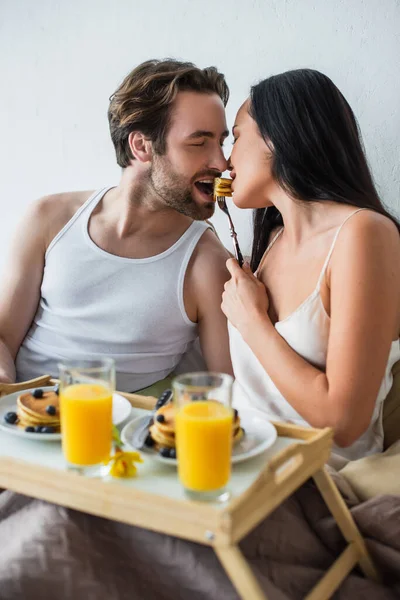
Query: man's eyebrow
column 203, row 133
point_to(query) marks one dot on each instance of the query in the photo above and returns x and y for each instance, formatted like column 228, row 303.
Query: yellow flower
column 123, row 463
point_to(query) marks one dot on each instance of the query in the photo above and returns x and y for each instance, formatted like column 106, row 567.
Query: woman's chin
column 243, row 201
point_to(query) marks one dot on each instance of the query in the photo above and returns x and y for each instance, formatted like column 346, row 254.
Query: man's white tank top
column 306, row 330
column 96, row 304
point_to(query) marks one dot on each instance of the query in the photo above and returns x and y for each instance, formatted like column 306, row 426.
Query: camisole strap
column 333, row 245
column 272, row 242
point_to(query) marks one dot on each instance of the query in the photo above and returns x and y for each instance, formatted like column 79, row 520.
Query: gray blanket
column 49, row 552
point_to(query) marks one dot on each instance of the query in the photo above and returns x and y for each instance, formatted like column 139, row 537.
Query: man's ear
column 140, row 146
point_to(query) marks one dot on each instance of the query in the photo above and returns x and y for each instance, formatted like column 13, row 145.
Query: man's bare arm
column 204, row 285
column 21, row 287
column 23, row 272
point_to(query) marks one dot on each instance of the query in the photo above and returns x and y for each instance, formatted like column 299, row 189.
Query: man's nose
column 218, row 161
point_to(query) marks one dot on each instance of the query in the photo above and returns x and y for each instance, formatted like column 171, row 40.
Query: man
column 134, row 271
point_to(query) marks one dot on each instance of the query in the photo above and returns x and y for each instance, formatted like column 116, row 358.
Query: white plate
column 260, row 434
column 121, row 409
column 120, row 412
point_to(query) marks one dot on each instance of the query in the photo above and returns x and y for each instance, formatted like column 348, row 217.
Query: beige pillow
column 376, row 474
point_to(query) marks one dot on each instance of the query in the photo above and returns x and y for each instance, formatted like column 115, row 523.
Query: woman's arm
column 364, row 297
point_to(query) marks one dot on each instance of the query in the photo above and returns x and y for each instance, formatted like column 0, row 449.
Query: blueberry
column 51, row 410
column 47, row 430
column 160, row 418
column 172, row 453
column 38, row 429
column 38, row 393
column 11, row 418
column 149, row 442
column 164, row 452
column 57, row 389
column 29, row 429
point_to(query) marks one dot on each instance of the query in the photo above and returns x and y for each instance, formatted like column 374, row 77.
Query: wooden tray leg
column 240, row 572
column 345, row 521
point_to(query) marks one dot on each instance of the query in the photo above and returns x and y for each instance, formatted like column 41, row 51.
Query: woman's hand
column 245, row 300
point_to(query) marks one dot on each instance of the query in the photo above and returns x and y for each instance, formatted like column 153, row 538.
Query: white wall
column 61, row 60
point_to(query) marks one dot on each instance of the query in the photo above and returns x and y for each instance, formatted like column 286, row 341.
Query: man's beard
column 174, row 191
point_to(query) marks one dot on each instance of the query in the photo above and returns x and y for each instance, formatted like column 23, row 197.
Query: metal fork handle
column 238, row 254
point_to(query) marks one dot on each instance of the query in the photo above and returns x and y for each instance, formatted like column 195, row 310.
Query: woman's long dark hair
column 317, row 151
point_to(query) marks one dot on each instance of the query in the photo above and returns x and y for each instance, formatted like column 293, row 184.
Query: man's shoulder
column 205, row 275
column 209, row 258
column 64, row 203
column 210, row 244
column 51, row 213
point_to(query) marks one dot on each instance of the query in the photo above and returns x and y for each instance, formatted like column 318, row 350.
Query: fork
column 140, row 435
column 222, row 188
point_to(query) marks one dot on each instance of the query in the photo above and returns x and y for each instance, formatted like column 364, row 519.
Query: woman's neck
column 304, row 219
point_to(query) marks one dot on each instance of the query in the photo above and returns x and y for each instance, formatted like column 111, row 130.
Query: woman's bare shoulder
column 368, row 227
column 368, row 248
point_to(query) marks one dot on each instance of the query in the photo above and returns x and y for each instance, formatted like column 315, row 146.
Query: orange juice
column 86, row 423
column 204, row 444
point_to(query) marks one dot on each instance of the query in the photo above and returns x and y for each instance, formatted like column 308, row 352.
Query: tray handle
column 286, row 462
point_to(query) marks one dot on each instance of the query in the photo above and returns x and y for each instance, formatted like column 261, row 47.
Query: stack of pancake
column 34, row 412
column 222, row 187
column 162, row 431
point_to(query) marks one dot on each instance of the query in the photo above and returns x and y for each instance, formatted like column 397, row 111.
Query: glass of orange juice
column 86, row 390
column 204, row 430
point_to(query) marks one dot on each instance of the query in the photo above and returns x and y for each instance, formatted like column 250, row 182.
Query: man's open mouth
column 206, row 186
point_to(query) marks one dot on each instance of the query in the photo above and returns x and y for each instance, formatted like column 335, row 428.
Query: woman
column 315, row 332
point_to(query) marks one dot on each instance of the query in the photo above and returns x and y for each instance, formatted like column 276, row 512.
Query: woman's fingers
column 235, row 270
column 233, row 266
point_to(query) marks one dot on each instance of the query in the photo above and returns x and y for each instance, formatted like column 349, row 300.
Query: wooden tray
column 257, row 487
